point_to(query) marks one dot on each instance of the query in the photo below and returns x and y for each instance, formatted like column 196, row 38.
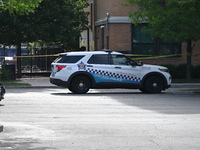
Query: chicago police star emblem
column 81, row 66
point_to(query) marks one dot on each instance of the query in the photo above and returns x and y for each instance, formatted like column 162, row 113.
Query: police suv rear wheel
column 80, row 85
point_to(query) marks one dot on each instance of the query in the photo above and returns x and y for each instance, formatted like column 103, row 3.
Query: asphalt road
column 55, row 119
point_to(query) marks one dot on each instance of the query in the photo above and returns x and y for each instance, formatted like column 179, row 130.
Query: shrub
column 181, row 71
column 172, row 69
column 4, row 74
column 197, row 71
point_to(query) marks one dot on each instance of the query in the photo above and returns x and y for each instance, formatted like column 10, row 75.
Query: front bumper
column 167, row 86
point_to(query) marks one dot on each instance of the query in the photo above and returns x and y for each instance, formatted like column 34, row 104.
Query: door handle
column 89, row 66
column 118, row 67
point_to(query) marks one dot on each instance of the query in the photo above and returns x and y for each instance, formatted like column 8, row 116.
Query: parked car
column 80, row 71
column 2, row 91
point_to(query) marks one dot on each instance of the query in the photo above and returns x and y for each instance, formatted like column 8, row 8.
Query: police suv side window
column 99, row 59
column 69, row 59
column 121, row 60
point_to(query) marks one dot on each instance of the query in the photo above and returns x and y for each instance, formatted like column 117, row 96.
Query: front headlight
column 164, row 70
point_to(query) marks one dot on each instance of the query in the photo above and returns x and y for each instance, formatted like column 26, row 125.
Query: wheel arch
column 154, row 74
column 81, row 73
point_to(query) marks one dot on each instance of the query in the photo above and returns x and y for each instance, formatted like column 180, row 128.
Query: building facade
column 111, row 28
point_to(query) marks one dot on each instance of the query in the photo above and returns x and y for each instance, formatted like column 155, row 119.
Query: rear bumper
column 58, row 82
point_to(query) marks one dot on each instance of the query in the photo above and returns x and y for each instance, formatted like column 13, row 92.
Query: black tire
column 69, row 88
column 80, row 85
column 154, row 85
column 143, row 90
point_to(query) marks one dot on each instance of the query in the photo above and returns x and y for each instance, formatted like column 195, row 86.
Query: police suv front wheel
column 80, row 85
column 154, row 84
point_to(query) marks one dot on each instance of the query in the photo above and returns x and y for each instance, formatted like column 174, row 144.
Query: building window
column 145, row 44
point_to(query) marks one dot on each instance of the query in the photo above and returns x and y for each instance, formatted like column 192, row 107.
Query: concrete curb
column 182, row 85
column 1, row 128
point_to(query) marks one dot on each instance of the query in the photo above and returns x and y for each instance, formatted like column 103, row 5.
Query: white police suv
column 80, row 71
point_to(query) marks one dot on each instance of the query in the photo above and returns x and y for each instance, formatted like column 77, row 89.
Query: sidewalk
column 185, row 85
column 42, row 81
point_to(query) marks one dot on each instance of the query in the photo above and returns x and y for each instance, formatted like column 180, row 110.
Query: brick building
column 111, row 28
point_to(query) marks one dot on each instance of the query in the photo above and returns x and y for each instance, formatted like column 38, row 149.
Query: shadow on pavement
column 178, row 103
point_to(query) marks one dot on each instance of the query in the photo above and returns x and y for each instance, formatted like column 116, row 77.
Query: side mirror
column 140, row 63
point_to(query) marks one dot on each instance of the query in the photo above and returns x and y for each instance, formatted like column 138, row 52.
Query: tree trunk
column 189, row 60
column 19, row 51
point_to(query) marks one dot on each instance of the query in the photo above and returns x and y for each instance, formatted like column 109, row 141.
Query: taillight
column 60, row 67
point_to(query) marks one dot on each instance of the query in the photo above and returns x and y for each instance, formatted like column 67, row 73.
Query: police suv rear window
column 68, row 59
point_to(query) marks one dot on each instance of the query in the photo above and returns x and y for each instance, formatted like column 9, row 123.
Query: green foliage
column 16, row 84
column 179, row 72
column 14, row 29
column 172, row 69
column 186, row 81
column 60, row 21
column 19, row 6
column 173, row 20
column 53, row 22
column 4, row 74
column 197, row 71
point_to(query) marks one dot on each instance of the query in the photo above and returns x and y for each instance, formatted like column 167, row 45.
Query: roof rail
column 107, row 50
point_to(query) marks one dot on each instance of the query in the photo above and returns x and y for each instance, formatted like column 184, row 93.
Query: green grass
column 191, row 90
column 185, row 81
column 15, row 84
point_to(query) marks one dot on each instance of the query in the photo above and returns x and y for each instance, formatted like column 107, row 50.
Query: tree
column 60, row 21
column 14, row 30
column 173, row 20
column 19, row 6
column 53, row 22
